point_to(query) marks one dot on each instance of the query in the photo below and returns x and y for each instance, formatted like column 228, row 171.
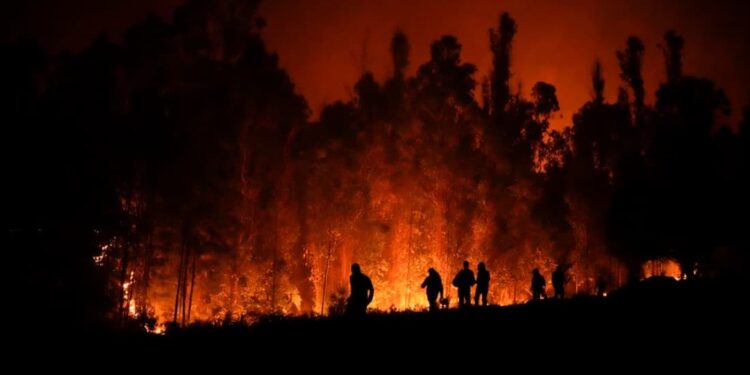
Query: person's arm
column 424, row 283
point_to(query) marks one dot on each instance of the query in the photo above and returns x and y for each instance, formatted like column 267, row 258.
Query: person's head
column 536, row 271
column 355, row 268
column 466, row 264
column 558, row 268
column 481, row 266
column 431, row 271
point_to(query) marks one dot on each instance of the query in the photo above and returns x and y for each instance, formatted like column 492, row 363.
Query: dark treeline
column 180, row 165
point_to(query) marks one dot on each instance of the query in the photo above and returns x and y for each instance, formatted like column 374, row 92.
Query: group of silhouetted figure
column 362, row 291
column 464, row 280
column 539, row 284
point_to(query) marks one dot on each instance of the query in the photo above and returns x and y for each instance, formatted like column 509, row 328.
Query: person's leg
column 464, row 298
column 484, row 297
column 353, row 308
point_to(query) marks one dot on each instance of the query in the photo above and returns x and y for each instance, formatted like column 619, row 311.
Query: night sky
column 325, row 44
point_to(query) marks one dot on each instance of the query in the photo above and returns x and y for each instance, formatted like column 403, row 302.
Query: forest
column 176, row 175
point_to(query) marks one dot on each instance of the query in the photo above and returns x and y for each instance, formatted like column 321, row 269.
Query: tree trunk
column 142, row 304
column 123, row 276
column 408, row 259
column 127, row 241
column 325, row 275
column 273, row 280
column 181, row 275
column 192, row 286
column 184, row 284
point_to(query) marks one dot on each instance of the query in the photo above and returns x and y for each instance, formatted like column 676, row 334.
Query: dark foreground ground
column 658, row 320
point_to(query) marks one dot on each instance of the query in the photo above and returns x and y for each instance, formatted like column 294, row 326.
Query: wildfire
column 268, row 214
column 208, row 192
column 99, row 259
column 399, row 292
column 662, row 267
column 127, row 295
column 395, row 248
column 158, row 329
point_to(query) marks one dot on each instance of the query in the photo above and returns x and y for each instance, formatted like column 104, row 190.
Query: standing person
column 434, row 286
column 538, row 284
column 464, row 280
column 483, row 284
column 361, row 292
column 558, row 281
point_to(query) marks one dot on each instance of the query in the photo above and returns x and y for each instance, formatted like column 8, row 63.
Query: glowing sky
column 326, row 44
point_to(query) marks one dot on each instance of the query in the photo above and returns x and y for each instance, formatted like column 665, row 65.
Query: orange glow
column 326, row 45
column 128, row 295
column 405, row 231
column 233, row 162
column 662, row 267
column 289, row 250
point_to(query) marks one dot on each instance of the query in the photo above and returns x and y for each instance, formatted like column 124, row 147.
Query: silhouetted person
column 538, row 284
column 434, row 286
column 483, row 284
column 361, row 292
column 558, row 281
column 601, row 286
column 464, row 280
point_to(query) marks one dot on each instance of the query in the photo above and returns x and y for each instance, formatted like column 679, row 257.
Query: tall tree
column 672, row 49
column 501, row 44
column 631, row 61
